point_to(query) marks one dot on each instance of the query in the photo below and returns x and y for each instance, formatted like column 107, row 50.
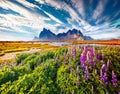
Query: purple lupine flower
column 78, row 81
column 90, row 63
column 98, row 55
column 118, row 92
column 85, row 47
column 104, row 78
column 92, row 53
column 110, row 62
column 83, row 60
column 86, row 73
column 70, row 68
column 64, row 57
column 102, row 56
column 94, row 62
column 88, row 56
column 104, row 68
column 94, row 50
column 74, row 52
column 114, row 79
column 103, row 75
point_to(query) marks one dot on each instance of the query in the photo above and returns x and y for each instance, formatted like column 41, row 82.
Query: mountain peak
column 46, row 34
column 46, row 30
column 75, row 31
column 73, row 34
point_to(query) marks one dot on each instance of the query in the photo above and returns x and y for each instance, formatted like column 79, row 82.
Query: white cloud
column 105, row 19
column 27, row 4
column 41, row 1
column 9, row 5
column 79, row 5
column 74, row 16
column 106, row 35
column 13, row 22
column 29, row 19
column 35, row 21
column 7, row 37
column 53, row 18
column 99, row 9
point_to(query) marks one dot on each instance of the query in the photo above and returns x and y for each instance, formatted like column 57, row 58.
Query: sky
column 25, row 19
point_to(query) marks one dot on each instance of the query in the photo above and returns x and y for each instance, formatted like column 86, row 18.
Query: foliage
column 21, row 57
column 77, row 70
column 20, row 46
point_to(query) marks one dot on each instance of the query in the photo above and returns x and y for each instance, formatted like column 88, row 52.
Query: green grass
column 49, row 72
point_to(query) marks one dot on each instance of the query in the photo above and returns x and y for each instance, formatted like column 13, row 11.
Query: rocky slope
column 73, row 34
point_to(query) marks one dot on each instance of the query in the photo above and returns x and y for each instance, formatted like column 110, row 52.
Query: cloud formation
column 99, row 19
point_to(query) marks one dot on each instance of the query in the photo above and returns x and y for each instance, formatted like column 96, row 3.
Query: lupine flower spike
column 98, row 55
column 114, row 79
column 86, row 73
column 65, row 58
column 103, row 75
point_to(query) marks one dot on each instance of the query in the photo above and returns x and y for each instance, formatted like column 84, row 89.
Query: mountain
column 47, row 35
column 73, row 34
column 35, row 38
column 87, row 38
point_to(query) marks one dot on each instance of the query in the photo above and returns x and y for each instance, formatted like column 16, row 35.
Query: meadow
column 7, row 47
column 103, row 42
column 21, row 46
column 62, row 70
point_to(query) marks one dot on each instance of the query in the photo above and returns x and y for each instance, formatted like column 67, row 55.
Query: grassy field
column 103, row 42
column 6, row 47
column 60, row 70
column 75, row 70
column 12, row 47
column 21, row 46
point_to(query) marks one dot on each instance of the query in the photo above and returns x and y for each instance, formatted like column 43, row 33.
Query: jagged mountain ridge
column 73, row 34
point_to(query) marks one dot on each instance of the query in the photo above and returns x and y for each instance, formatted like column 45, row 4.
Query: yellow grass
column 104, row 42
column 8, row 61
column 10, row 47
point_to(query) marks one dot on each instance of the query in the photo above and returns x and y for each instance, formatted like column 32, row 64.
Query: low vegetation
column 11, row 47
column 103, row 42
column 77, row 70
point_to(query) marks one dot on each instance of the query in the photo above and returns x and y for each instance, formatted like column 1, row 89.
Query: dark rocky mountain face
column 87, row 38
column 73, row 34
column 47, row 35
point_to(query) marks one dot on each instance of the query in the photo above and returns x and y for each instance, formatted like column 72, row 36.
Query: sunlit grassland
column 103, row 42
column 22, row 46
column 77, row 70
column 19, row 46
column 68, row 69
column 14, row 47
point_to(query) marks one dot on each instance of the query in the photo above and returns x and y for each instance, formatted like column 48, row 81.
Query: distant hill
column 73, row 34
column 87, row 38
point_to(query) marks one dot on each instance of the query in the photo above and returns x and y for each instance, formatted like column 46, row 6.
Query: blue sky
column 24, row 19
